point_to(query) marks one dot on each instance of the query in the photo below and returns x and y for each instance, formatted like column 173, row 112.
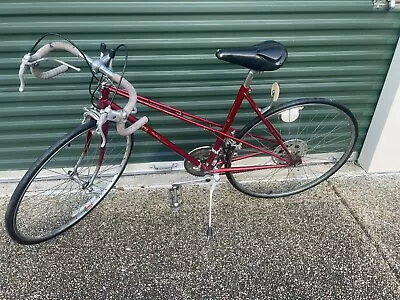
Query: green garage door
column 337, row 49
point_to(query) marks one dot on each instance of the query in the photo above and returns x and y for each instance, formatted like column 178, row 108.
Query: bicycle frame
column 226, row 132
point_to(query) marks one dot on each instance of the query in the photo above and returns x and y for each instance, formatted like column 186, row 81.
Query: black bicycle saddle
column 265, row 56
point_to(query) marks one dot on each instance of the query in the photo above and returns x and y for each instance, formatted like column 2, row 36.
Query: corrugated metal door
column 337, row 49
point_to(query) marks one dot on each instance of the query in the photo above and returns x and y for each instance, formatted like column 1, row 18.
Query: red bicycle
column 285, row 149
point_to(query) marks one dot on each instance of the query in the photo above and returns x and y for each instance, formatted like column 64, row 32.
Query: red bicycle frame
column 226, row 132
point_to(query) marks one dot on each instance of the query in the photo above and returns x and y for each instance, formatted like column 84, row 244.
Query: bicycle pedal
column 176, row 197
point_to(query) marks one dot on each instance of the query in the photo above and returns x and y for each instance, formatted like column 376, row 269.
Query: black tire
column 64, row 185
column 319, row 132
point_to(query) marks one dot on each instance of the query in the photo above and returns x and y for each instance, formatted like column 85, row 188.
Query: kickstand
column 215, row 180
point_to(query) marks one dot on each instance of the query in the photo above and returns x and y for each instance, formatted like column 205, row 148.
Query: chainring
column 201, row 154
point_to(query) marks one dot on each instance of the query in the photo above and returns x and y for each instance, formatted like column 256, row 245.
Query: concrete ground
column 339, row 240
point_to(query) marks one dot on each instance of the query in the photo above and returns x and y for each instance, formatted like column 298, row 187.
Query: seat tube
column 245, row 87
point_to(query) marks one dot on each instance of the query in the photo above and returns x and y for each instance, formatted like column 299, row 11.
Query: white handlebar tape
column 50, row 73
column 131, row 129
column 131, row 105
column 46, row 49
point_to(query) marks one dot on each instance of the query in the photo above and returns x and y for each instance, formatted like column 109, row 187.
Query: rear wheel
column 319, row 135
column 66, row 183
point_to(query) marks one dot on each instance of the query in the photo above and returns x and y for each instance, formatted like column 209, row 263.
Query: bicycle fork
column 75, row 174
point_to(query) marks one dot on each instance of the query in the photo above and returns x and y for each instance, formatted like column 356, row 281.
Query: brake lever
column 100, row 122
column 22, row 68
column 107, row 114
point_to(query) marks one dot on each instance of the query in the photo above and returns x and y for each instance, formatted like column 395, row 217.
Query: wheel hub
column 297, row 148
column 74, row 176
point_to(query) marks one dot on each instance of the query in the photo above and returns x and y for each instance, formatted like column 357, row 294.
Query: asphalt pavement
column 339, row 240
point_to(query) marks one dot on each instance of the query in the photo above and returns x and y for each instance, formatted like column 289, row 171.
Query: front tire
column 66, row 183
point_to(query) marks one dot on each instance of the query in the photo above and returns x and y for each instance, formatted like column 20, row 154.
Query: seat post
column 249, row 78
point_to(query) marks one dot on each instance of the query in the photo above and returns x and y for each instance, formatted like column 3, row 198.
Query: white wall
column 381, row 149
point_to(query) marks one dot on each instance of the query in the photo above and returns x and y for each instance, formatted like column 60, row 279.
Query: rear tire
column 319, row 132
column 64, row 185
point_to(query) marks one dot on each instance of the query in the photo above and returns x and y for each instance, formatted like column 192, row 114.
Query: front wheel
column 66, row 183
column 317, row 136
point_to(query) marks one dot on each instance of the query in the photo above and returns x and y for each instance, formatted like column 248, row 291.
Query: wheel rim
column 319, row 135
column 60, row 194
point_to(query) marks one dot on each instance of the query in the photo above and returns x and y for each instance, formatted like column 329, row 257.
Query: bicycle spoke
column 319, row 140
column 44, row 191
column 53, row 199
column 57, row 172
